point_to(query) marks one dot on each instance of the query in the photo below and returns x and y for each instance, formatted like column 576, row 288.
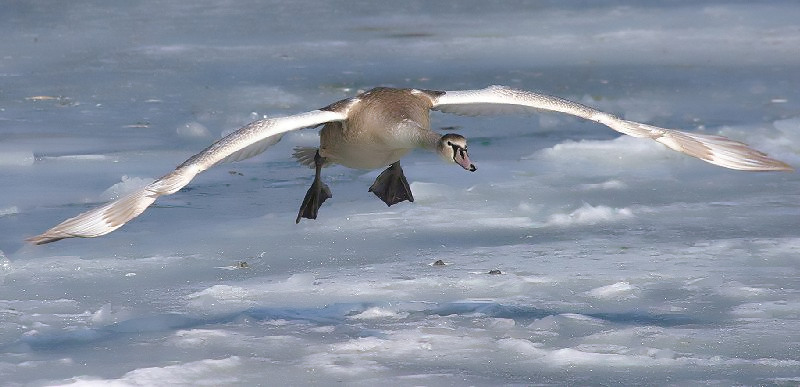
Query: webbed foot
column 391, row 186
column 316, row 194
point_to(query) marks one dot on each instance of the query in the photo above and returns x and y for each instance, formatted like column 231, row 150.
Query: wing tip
column 753, row 162
column 44, row 238
column 720, row 150
column 776, row 165
column 738, row 155
column 770, row 165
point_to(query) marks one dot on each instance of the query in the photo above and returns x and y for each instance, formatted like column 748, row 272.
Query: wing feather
column 716, row 150
column 252, row 150
column 254, row 137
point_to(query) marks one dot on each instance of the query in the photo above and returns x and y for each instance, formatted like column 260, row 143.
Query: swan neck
column 431, row 140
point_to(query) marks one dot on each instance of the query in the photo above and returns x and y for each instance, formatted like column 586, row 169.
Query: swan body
column 383, row 125
column 376, row 129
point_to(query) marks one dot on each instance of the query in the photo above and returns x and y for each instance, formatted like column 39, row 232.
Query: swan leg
column 391, row 186
column 316, row 194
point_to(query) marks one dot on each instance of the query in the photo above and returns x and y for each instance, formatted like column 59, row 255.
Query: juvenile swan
column 376, row 129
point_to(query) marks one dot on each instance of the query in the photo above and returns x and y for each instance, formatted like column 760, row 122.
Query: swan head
column 453, row 147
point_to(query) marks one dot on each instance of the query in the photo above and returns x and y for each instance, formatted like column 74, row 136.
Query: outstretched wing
column 243, row 143
column 717, row 150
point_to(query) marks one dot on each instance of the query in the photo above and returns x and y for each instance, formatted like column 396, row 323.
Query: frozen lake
column 622, row 262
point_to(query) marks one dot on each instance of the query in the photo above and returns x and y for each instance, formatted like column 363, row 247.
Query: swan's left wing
column 717, row 150
column 245, row 142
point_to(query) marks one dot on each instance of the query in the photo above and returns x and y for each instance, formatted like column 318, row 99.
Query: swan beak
column 462, row 159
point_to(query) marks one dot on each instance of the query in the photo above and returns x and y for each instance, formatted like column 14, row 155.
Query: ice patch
column 193, row 130
column 618, row 290
column 5, row 263
column 218, row 295
column 269, row 96
column 206, row 372
column 344, row 365
column 363, row 344
column 572, row 324
column 194, row 338
column 625, row 151
column 16, row 158
column 126, row 186
column 527, row 348
column 742, row 291
column 87, row 157
column 644, row 107
column 426, row 344
column 109, row 314
column 789, row 139
column 590, row 215
column 500, row 324
column 572, row 357
column 427, row 192
column 768, row 309
column 13, row 210
column 789, row 127
column 375, row 313
column 606, row 185
column 229, row 298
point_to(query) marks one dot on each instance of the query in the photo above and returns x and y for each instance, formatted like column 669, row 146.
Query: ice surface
column 621, row 262
column 193, row 130
column 124, row 187
column 15, row 158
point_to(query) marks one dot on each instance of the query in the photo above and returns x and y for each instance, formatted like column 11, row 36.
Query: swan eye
column 449, row 143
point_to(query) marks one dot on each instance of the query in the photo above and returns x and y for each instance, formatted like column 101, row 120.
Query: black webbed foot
column 316, row 194
column 391, row 186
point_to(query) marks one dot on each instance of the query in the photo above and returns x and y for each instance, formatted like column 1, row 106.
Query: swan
column 376, row 129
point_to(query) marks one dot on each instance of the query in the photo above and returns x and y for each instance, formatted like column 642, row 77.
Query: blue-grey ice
column 621, row 261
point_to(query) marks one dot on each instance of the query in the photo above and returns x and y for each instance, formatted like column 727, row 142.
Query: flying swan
column 376, row 129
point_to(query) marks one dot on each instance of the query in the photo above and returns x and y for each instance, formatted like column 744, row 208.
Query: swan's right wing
column 717, row 150
column 245, row 142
